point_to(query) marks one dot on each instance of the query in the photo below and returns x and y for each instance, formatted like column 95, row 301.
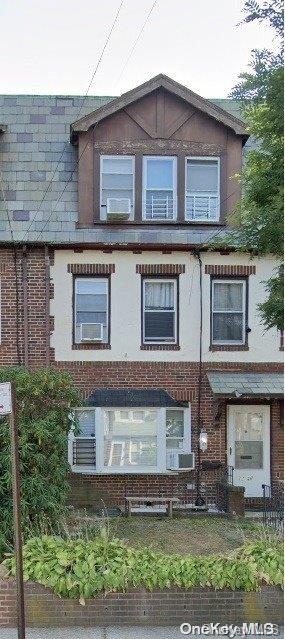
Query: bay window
column 91, row 309
column 127, row 440
column 159, row 188
column 159, row 311
column 228, row 312
column 202, row 192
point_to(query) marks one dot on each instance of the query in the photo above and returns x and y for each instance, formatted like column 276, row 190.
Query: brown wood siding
column 161, row 124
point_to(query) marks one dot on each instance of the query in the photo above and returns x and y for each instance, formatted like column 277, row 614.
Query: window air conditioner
column 118, row 208
column 180, row 461
column 91, row 332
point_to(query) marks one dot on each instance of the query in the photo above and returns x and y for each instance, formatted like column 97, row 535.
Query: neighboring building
column 109, row 234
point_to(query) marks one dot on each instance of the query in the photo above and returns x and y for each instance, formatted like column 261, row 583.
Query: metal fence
column 273, row 507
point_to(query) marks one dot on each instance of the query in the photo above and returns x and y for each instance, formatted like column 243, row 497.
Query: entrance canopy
column 249, row 384
column 133, row 397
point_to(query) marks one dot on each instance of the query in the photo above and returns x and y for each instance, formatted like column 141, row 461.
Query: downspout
column 25, row 305
column 47, row 305
column 200, row 501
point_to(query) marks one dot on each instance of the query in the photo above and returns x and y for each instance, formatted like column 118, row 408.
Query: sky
column 53, row 46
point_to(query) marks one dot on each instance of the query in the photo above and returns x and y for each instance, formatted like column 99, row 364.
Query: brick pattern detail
column 160, row 347
column 229, row 347
column 91, row 269
column 160, row 607
column 91, row 347
column 230, row 270
column 160, row 269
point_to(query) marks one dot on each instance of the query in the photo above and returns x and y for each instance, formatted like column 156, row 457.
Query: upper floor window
column 228, row 311
column 91, row 310
column 159, row 311
column 117, row 187
column 159, row 188
column 202, row 194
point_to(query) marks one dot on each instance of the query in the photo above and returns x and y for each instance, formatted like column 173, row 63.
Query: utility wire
column 136, row 40
column 77, row 117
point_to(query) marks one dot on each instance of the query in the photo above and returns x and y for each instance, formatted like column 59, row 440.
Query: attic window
column 117, row 187
column 159, row 188
column 202, row 196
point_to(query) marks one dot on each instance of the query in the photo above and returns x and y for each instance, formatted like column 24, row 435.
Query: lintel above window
column 127, row 439
column 202, row 189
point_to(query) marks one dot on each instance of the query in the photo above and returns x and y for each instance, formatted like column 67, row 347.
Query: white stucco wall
column 126, row 308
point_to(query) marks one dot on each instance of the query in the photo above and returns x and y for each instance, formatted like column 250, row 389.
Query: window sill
column 178, row 222
column 90, row 347
column 160, row 347
column 100, row 473
column 229, row 347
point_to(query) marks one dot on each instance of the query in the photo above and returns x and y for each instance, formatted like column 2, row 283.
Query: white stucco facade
column 126, row 308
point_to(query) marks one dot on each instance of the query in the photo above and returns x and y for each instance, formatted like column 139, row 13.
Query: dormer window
column 117, row 187
column 202, row 197
column 159, row 188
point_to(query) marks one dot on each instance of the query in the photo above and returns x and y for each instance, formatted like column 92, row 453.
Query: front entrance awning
column 133, row 397
column 248, row 384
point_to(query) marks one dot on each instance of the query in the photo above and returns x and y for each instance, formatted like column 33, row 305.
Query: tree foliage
column 44, row 399
column 258, row 222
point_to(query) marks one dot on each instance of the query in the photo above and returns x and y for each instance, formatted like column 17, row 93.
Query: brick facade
column 160, row 607
column 180, row 379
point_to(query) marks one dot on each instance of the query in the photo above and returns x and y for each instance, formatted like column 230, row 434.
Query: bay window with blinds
column 91, row 310
column 159, row 311
column 202, row 189
column 228, row 312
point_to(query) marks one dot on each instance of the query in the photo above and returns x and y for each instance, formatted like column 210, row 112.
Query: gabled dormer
column 159, row 154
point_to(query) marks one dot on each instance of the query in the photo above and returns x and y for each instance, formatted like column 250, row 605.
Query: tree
column 44, row 399
column 258, row 222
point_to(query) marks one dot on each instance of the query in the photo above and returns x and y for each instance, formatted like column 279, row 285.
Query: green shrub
column 78, row 568
column 44, row 399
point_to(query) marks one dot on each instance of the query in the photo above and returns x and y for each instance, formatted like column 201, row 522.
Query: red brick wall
column 161, row 607
column 180, row 379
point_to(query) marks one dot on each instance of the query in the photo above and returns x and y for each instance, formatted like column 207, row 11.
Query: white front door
column 249, row 446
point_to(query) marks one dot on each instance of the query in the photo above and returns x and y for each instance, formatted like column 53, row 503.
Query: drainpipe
column 200, row 501
column 25, row 305
column 47, row 305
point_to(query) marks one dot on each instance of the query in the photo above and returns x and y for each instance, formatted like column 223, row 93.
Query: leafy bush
column 44, row 398
column 77, row 568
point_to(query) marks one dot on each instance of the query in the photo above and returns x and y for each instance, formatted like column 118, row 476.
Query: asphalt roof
column 39, row 169
column 135, row 397
column 238, row 384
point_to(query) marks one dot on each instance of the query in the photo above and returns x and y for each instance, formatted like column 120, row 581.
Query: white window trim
column 117, row 157
column 174, row 185
column 243, row 312
column 100, row 469
column 175, row 310
column 91, row 279
column 186, row 447
column 205, row 158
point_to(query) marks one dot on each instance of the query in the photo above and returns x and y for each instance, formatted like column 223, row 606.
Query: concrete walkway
column 134, row 632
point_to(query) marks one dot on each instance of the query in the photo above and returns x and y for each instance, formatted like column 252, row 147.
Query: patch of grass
column 193, row 534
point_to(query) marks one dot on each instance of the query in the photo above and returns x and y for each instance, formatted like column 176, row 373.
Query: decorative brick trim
column 229, row 347
column 160, row 269
column 183, row 395
column 2, row 268
column 160, row 347
column 91, row 269
column 230, row 269
column 91, row 347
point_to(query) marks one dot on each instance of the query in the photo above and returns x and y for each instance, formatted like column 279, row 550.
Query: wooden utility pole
column 8, row 407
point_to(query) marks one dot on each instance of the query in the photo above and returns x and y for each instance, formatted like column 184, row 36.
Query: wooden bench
column 168, row 501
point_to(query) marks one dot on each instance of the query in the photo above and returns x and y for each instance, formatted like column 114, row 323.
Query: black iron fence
column 273, row 507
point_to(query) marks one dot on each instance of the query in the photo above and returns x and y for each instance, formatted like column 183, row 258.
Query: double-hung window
column 228, row 312
column 127, row 440
column 159, row 188
column 160, row 311
column 202, row 193
column 91, row 310
column 117, row 187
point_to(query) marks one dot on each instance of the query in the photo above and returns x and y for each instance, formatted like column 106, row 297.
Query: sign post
column 8, row 407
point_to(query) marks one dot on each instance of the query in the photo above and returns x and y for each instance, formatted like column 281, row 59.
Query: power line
column 78, row 114
column 136, row 40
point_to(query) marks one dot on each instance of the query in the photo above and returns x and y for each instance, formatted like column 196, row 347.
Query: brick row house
column 108, row 271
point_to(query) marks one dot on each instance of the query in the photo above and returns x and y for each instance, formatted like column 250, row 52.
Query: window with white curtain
column 159, row 310
column 110, row 440
column 228, row 311
column 91, row 309
column 117, row 181
column 202, row 194
column 159, row 188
